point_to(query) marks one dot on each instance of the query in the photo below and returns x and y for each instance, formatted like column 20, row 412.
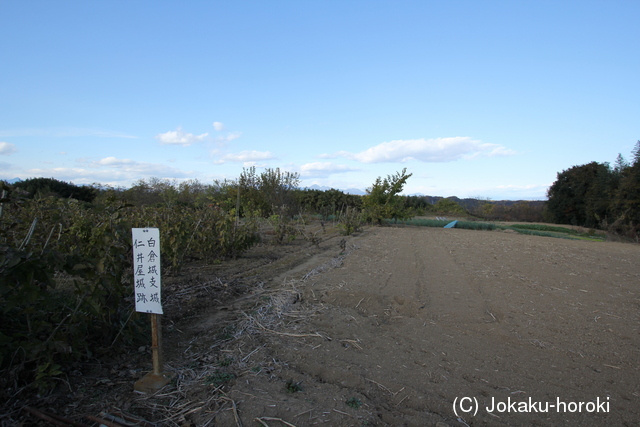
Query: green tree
column 581, row 195
column 636, row 154
column 383, row 201
column 626, row 202
column 621, row 164
column 43, row 187
column 448, row 206
column 268, row 190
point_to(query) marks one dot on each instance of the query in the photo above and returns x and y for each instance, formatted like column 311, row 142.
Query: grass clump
column 354, row 402
column 227, row 361
column 293, row 386
column 219, row 378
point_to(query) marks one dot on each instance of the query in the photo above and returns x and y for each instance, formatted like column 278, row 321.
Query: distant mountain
column 356, row 191
column 13, row 181
column 317, row 187
column 467, row 203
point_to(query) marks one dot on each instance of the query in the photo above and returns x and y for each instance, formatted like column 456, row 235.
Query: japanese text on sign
column 146, row 269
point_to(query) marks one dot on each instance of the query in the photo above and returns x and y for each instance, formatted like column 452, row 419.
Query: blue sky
column 475, row 98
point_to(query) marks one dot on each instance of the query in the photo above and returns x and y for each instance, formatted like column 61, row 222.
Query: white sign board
column 146, row 269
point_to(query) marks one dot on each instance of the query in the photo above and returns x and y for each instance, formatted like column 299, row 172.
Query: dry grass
column 279, row 311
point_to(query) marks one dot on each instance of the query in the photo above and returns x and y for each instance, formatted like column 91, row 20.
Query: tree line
column 598, row 195
column 273, row 190
column 594, row 195
column 252, row 192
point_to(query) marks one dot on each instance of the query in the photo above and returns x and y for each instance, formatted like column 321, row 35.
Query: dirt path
column 418, row 317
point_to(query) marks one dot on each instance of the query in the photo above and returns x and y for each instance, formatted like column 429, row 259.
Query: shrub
column 383, row 200
column 65, row 275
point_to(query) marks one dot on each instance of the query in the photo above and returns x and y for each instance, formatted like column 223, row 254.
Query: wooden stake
column 156, row 379
column 156, row 343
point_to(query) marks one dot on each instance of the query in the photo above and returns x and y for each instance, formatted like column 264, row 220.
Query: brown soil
column 395, row 328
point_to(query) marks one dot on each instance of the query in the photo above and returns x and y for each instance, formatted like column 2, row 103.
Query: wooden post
column 156, row 343
column 157, row 378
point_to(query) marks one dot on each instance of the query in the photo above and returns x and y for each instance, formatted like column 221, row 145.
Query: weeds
column 65, row 275
column 542, row 227
column 227, row 361
column 293, row 387
column 350, row 221
column 283, row 228
column 354, row 402
column 421, row 222
column 219, row 378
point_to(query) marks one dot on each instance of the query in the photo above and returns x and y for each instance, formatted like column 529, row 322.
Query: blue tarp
column 452, row 224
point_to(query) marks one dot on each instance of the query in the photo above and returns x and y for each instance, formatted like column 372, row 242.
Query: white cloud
column 7, row 148
column 131, row 167
column 180, row 137
column 111, row 170
column 323, row 169
column 112, row 161
column 247, row 156
column 228, row 138
column 254, row 164
column 233, row 135
column 218, row 126
column 425, row 150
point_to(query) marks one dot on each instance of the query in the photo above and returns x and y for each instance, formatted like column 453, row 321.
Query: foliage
column 293, row 386
column 448, row 206
column 159, row 192
column 419, row 205
column 43, row 327
column 543, row 227
column 578, row 195
column 353, row 402
column 626, row 201
column 596, row 195
column 503, row 210
column 472, row 225
column 65, row 273
column 207, row 233
column 271, row 189
column 219, row 378
column 350, row 221
column 326, row 203
column 43, row 187
column 531, row 229
column 383, row 200
column 423, row 222
column 283, row 228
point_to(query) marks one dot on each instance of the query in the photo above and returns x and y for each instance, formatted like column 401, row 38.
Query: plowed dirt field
column 406, row 321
